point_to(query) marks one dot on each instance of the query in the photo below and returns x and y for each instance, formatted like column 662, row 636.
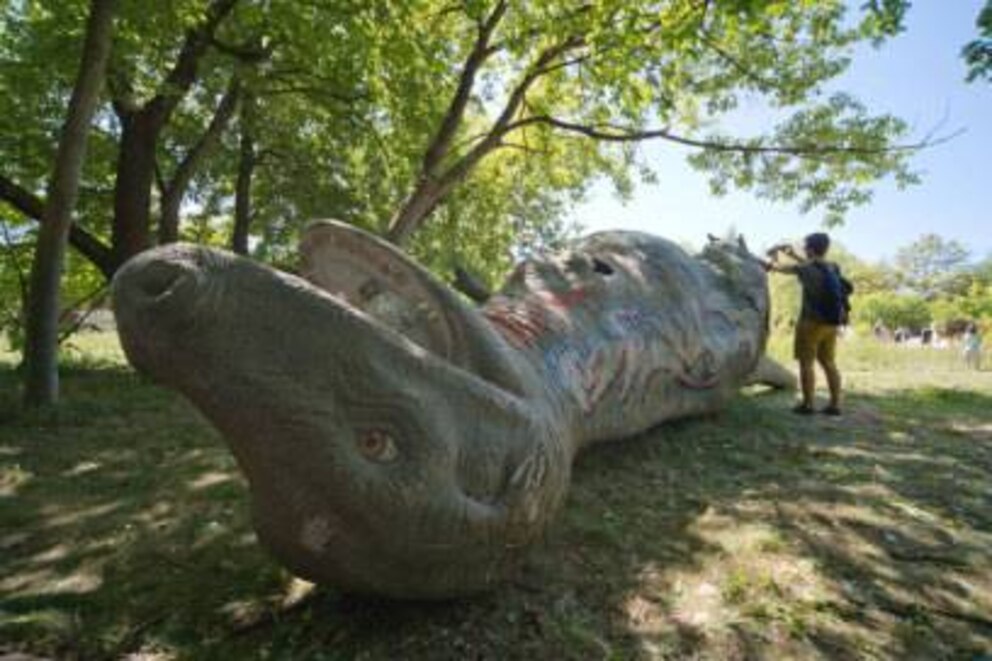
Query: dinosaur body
column 400, row 441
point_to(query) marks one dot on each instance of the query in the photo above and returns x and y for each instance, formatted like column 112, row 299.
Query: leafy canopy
column 501, row 113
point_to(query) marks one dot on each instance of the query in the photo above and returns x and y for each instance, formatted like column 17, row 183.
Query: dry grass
column 752, row 534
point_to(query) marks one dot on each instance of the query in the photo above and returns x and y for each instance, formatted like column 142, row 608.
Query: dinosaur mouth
column 691, row 382
column 374, row 277
column 365, row 274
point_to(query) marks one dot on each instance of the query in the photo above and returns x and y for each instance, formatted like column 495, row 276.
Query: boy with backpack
column 824, row 310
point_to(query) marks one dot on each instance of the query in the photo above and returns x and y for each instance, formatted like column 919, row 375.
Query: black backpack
column 834, row 306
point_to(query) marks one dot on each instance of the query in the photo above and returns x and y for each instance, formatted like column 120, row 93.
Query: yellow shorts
column 815, row 340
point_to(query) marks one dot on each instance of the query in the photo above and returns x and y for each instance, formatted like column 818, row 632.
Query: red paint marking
column 697, row 384
column 520, row 325
column 563, row 300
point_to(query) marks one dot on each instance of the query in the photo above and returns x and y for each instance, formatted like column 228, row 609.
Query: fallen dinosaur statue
column 398, row 440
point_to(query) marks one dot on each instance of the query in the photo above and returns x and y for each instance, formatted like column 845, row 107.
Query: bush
column 894, row 310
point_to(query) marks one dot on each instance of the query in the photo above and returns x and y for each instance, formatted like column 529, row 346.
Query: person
column 971, row 347
column 823, row 312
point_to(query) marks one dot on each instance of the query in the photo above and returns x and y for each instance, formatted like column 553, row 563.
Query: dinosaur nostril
column 160, row 278
column 163, row 283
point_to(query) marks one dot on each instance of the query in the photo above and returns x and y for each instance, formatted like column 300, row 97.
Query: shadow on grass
column 748, row 534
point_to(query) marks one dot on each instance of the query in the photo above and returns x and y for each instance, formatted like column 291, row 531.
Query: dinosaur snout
column 160, row 279
column 156, row 296
column 158, row 282
column 165, row 283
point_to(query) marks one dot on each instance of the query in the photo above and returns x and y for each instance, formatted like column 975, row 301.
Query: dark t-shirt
column 814, row 288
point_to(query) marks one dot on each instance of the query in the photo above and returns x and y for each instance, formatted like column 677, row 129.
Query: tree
column 175, row 188
column 155, row 64
column 142, row 121
column 932, row 266
column 982, row 271
column 617, row 73
column 386, row 122
column 895, row 311
column 40, row 355
column 978, row 52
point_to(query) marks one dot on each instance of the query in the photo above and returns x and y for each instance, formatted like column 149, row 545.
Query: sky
column 918, row 76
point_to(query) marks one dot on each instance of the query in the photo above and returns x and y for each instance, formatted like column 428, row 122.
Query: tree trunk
column 140, row 132
column 415, row 210
column 132, row 190
column 41, row 379
column 246, row 169
column 168, row 222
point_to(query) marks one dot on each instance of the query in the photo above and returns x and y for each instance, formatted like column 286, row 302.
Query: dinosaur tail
column 773, row 374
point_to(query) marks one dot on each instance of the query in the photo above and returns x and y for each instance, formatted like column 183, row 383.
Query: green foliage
column 973, row 305
column 15, row 264
column 834, row 179
column 902, row 311
column 933, row 266
column 350, row 95
column 349, row 100
column 82, row 286
column 982, row 271
column 977, row 53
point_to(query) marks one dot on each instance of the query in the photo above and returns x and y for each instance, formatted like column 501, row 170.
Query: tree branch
column 441, row 143
column 531, row 35
column 612, row 133
column 759, row 82
column 311, row 92
column 222, row 117
column 141, row 129
column 33, row 207
column 433, row 185
column 504, row 123
column 183, row 73
column 21, row 198
column 175, row 188
column 249, row 52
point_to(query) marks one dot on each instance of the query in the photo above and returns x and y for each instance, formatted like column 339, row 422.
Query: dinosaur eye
column 377, row 445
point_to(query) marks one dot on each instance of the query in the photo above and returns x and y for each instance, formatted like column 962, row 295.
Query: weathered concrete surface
column 400, row 441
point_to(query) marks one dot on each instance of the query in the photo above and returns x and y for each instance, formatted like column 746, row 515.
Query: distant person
column 971, row 347
column 824, row 311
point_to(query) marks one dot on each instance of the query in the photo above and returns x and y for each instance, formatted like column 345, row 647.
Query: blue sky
column 918, row 76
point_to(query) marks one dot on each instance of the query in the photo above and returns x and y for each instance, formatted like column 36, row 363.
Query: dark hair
column 818, row 243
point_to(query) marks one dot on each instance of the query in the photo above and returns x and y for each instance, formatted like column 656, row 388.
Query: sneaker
column 830, row 410
column 802, row 409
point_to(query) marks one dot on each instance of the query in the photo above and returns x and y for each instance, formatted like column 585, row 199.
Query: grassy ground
column 751, row 534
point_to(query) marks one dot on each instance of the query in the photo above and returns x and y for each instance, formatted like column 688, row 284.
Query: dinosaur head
column 378, row 460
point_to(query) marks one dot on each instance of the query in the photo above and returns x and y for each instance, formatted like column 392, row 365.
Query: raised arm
column 788, row 251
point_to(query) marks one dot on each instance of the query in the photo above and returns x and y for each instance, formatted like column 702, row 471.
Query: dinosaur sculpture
column 398, row 440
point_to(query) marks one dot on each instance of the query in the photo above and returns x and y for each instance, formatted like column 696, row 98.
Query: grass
column 749, row 534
